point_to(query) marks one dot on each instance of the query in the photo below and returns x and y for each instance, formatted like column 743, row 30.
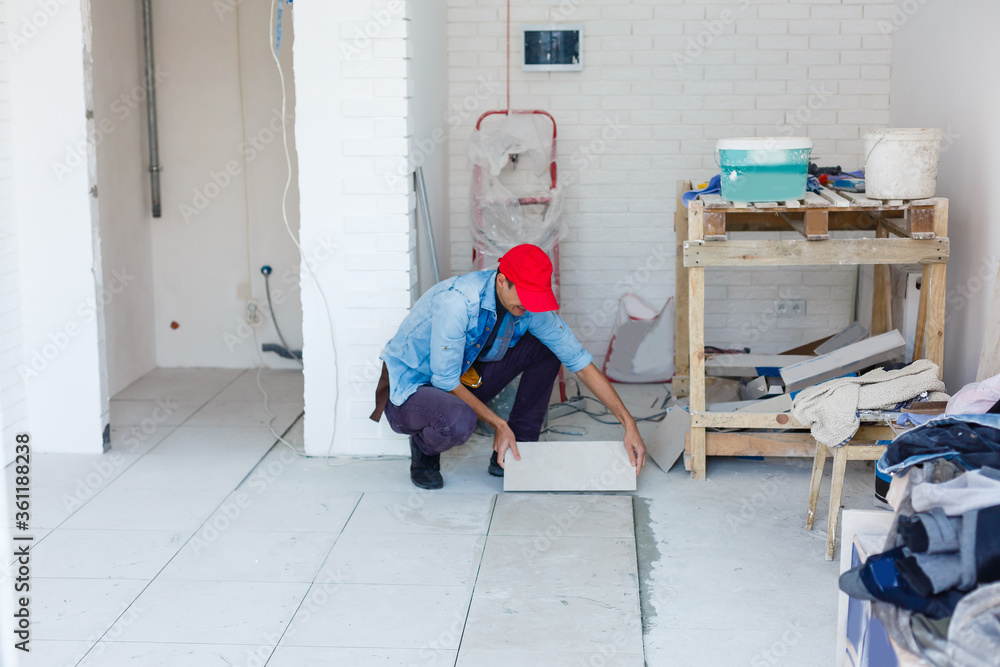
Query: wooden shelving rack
column 907, row 232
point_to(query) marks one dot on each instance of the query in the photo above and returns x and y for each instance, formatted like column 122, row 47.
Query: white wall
column 222, row 180
column 661, row 83
column 123, row 190
column 13, row 406
column 934, row 86
column 352, row 129
column 66, row 409
column 426, row 46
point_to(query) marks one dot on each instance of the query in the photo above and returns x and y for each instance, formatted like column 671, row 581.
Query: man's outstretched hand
column 503, row 439
column 635, row 448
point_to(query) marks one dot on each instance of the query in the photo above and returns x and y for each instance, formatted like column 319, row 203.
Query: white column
column 356, row 227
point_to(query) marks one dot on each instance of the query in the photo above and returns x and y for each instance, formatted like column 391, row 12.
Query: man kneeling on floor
column 465, row 340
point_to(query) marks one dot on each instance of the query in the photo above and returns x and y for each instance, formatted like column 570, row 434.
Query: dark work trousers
column 439, row 420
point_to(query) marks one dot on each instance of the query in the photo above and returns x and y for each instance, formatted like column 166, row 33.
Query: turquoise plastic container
column 764, row 168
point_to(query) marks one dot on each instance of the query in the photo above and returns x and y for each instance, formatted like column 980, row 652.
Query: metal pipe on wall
column 154, row 147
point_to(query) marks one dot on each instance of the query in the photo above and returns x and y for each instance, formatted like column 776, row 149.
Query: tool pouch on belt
column 471, row 378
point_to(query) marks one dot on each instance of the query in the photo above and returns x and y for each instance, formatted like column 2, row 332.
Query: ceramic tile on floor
column 420, row 511
column 90, row 471
column 165, row 411
column 304, row 510
column 190, row 383
column 609, row 658
column 105, row 554
column 375, row 558
column 246, row 413
column 585, row 620
column 359, row 615
column 252, row 556
column 53, row 653
column 559, row 562
column 293, row 656
column 218, row 612
column 79, row 609
column 237, row 441
column 138, row 654
column 138, row 438
column 281, row 385
column 570, row 515
column 147, row 509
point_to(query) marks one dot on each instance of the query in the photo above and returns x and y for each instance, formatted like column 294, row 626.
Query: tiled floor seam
column 190, row 537
column 472, row 593
column 305, row 596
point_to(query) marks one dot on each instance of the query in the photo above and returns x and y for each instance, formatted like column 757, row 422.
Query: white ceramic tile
column 308, row 510
column 191, row 383
column 53, row 653
column 569, row 515
column 419, row 511
column 50, row 506
column 80, row 609
column 559, row 562
column 293, row 656
column 147, row 509
column 105, row 554
column 89, row 471
column 246, row 413
column 584, row 620
column 281, row 385
column 204, row 471
column 233, row 441
column 138, row 438
column 610, row 658
column 599, row 465
column 138, row 654
column 376, row 558
column 202, row 612
column 353, row 615
column 252, row 556
column 163, row 411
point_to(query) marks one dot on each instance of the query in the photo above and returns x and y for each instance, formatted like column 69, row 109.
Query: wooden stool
column 842, row 455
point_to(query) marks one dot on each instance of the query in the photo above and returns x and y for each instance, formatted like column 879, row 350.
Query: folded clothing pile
column 942, row 563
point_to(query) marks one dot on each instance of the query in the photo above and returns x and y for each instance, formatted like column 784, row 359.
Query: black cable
column 292, row 354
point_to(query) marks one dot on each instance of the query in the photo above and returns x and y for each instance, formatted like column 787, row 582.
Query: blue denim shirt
column 444, row 331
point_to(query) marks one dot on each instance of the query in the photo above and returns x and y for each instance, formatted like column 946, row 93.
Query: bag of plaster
column 975, row 398
column 642, row 342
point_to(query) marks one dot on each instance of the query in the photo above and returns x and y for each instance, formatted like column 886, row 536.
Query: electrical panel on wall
column 552, row 48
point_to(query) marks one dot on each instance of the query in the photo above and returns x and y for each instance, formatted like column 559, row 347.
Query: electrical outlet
column 253, row 312
column 790, row 307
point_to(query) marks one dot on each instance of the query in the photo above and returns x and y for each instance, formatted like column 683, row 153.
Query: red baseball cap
column 529, row 268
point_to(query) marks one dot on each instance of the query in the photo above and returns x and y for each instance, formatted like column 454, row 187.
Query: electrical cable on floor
column 574, row 408
column 288, row 228
column 266, row 270
column 271, row 416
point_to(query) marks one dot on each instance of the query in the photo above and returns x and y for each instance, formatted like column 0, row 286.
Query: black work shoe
column 425, row 470
column 495, row 468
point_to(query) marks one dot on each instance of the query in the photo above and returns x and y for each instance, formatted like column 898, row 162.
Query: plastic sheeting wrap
column 642, row 344
column 499, row 220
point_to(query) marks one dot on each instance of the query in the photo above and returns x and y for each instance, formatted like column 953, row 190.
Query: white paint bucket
column 901, row 163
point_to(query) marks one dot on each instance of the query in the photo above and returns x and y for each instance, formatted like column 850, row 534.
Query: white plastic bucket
column 901, row 163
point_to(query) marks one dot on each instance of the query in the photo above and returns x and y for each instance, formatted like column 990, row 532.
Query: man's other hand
column 503, row 439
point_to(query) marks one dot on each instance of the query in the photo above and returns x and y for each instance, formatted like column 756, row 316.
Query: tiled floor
column 198, row 541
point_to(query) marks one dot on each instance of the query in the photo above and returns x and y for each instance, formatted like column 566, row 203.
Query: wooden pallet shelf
column 906, row 232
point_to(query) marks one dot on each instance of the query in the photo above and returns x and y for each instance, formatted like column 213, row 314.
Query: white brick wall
column 13, row 408
column 351, row 130
column 676, row 77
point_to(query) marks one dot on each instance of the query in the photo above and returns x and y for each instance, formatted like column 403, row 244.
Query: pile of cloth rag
column 936, row 585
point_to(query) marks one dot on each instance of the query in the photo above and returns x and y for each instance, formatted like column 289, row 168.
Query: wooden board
column 802, row 253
